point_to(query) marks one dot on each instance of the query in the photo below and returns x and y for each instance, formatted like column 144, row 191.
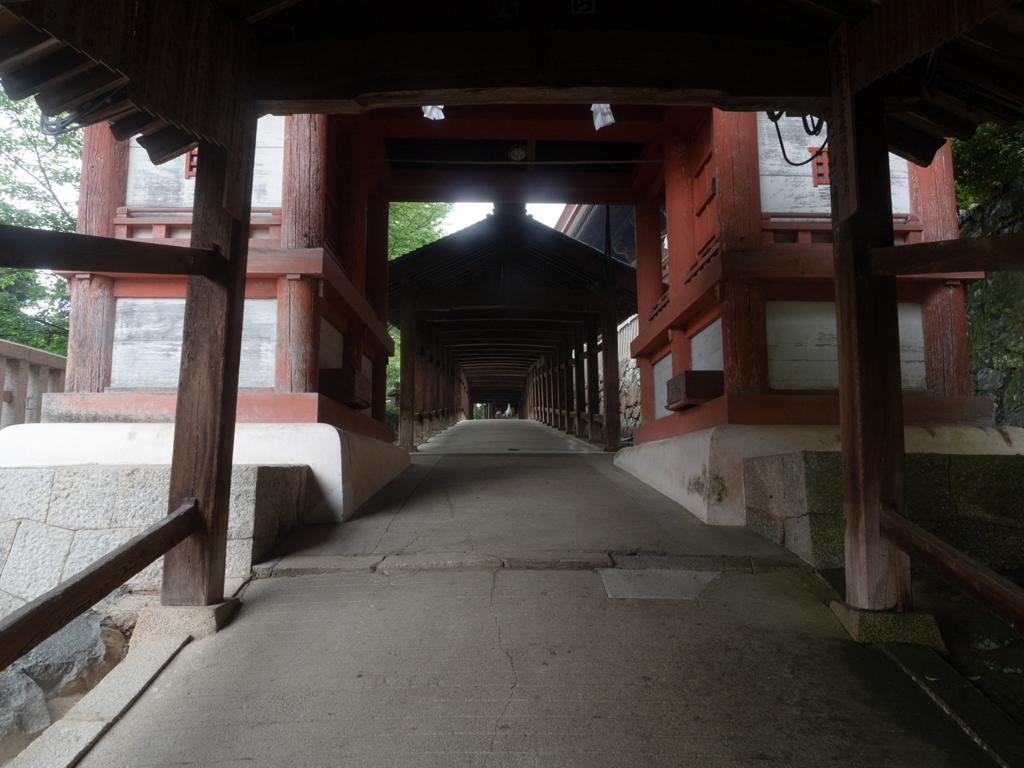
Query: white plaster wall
column 662, row 373
column 147, row 343
column 803, row 351
column 786, row 189
column 165, row 186
column 706, row 348
column 332, row 345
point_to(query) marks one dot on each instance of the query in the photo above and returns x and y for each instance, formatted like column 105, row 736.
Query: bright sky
column 465, row 214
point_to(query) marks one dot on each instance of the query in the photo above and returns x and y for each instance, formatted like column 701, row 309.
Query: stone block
column 89, row 546
column 22, row 705
column 239, row 557
column 75, row 658
column 870, row 627
column 242, row 515
column 83, row 497
column 980, row 483
column 196, row 622
column 822, row 476
column 142, row 496
column 25, row 493
column 36, row 560
column 149, row 579
column 767, row 525
column 8, row 530
column 993, row 542
column 9, row 603
column 929, row 493
column 817, row 539
column 278, row 499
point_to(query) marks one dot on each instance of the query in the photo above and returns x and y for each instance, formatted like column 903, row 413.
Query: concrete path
column 593, row 623
column 504, row 435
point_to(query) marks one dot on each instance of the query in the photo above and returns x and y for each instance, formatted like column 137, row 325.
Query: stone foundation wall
column 629, row 397
column 971, row 502
column 55, row 521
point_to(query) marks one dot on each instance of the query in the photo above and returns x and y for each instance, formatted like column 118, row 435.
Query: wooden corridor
column 486, row 636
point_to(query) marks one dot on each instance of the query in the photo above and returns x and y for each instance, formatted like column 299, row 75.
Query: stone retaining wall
column 974, row 503
column 55, row 521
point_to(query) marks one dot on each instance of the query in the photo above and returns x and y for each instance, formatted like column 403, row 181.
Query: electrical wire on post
column 814, row 129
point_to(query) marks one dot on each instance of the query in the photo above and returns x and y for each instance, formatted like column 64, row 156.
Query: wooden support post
column 648, row 258
column 563, row 390
column 870, row 395
column 91, row 333
column 379, row 386
column 678, row 208
column 304, row 182
column 420, row 382
column 298, row 334
column 946, row 356
column 647, row 396
column 610, row 358
column 204, row 428
column 680, row 345
column 103, row 188
column 579, row 377
column 744, row 338
column 593, row 390
column 570, row 388
column 407, row 371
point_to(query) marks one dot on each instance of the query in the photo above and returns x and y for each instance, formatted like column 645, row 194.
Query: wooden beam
column 562, row 299
column 991, row 253
column 993, row 592
column 24, row 248
column 900, row 32
column 204, row 428
column 870, row 390
column 27, row 627
column 496, row 66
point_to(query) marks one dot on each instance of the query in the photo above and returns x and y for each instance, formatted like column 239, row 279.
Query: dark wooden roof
column 502, row 293
column 178, row 71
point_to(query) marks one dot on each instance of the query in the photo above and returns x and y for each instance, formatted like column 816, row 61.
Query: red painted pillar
column 298, row 334
column 91, row 323
column 678, row 208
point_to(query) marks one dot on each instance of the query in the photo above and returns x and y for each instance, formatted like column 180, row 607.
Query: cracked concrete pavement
column 522, row 658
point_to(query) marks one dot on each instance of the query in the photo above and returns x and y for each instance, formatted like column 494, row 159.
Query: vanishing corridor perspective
column 516, row 600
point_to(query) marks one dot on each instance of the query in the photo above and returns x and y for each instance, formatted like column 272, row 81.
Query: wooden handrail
column 31, row 624
column 993, row 592
column 24, row 248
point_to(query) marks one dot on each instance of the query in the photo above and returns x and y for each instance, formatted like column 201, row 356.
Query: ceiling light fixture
column 602, row 115
column 517, row 152
column 434, row 113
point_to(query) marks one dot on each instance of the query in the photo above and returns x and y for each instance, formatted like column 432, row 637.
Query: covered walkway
column 531, row 609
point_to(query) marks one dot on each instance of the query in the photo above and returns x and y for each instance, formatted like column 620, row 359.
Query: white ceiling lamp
column 602, row 115
column 434, row 113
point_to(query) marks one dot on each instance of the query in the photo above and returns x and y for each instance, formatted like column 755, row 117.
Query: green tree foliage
column 39, row 177
column 986, row 164
column 411, row 226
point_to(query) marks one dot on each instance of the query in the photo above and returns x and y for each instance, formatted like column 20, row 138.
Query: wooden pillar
column 563, row 390
column 379, row 386
column 407, row 371
column 679, row 344
column 103, row 187
column 593, row 393
column 91, row 333
column 349, row 181
column 678, row 208
column 648, row 413
column 420, row 382
column 870, row 395
column 744, row 337
column 610, row 358
column 947, row 363
column 304, row 183
column 352, row 351
column 581, row 385
column 204, row 428
column 570, row 388
column 648, row 258
column 298, row 334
